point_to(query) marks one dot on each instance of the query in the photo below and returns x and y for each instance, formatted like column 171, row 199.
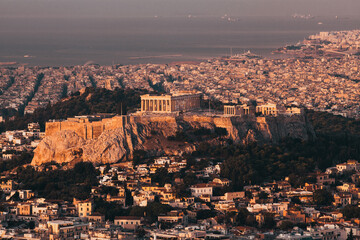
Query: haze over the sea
column 70, row 32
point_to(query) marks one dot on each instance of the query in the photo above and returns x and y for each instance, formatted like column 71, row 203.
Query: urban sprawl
column 323, row 75
column 326, row 81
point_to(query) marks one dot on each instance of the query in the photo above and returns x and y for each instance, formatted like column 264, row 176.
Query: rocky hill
column 158, row 135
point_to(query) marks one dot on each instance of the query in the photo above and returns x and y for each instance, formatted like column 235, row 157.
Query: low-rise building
column 59, row 229
column 128, row 222
column 84, row 208
column 201, row 189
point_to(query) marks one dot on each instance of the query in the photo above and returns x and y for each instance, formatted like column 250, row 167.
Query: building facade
column 59, row 229
column 170, row 102
column 128, row 222
column 84, row 208
column 201, row 189
column 268, row 109
column 239, row 110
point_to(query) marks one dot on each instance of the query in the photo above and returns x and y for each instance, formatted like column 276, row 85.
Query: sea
column 138, row 40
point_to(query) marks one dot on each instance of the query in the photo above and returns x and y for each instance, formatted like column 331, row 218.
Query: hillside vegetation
column 92, row 100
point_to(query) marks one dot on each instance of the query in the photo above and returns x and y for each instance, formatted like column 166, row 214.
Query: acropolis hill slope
column 115, row 139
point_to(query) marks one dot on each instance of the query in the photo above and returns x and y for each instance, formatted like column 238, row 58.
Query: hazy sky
column 146, row 8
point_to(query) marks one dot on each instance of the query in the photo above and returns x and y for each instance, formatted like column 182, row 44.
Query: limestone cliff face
column 65, row 146
column 150, row 134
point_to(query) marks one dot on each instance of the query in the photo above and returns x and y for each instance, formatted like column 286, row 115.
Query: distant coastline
column 129, row 41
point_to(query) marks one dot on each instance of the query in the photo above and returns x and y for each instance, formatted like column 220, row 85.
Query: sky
column 149, row 8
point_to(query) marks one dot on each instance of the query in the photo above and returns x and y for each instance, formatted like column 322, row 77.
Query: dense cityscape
column 189, row 195
column 325, row 83
column 199, row 205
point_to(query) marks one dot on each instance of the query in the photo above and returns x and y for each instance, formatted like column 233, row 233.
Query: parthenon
column 170, row 102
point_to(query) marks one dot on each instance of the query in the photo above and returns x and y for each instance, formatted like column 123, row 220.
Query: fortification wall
column 88, row 130
column 52, row 128
column 92, row 130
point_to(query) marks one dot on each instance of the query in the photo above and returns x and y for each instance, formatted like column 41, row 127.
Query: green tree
column 350, row 236
column 269, row 222
column 286, row 225
column 241, row 216
column 161, row 176
column 322, row 197
column 351, row 212
column 139, row 156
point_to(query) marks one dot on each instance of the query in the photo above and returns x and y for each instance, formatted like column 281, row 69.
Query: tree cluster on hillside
column 197, row 134
column 350, row 211
column 93, row 100
column 59, row 184
column 338, row 140
column 23, row 158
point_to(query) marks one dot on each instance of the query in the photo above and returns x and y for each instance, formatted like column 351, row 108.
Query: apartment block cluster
column 13, row 143
column 341, row 40
column 33, row 87
column 336, row 44
column 321, row 82
column 207, row 211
